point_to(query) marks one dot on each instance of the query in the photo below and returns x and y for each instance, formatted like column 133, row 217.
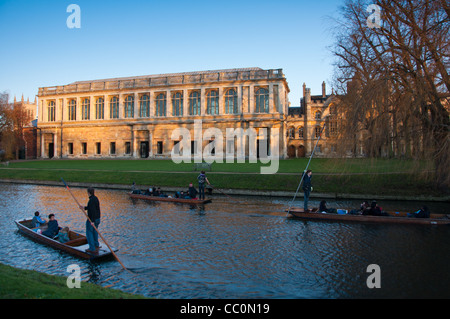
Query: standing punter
column 93, row 212
column 307, row 188
column 201, row 184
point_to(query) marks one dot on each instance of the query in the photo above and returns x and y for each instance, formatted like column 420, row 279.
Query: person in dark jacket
column 52, row 227
column 192, row 191
column 93, row 212
column 307, row 188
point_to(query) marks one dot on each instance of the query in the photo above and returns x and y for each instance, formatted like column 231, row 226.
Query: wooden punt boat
column 393, row 218
column 76, row 246
column 170, row 199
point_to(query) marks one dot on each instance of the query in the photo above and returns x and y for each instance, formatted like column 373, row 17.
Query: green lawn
column 25, row 284
column 336, row 176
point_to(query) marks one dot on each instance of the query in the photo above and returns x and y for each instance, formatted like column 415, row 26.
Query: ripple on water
column 228, row 250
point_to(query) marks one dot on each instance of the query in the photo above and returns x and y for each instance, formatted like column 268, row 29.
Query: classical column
column 169, row 103
column 203, row 103
column 185, row 102
column 136, row 106
column 221, row 101
column 41, row 111
column 151, row 106
column 78, row 109
column 239, row 90
column 55, row 144
column 121, row 108
column 42, row 145
column 271, row 99
column 107, row 109
column 251, row 99
column 92, row 108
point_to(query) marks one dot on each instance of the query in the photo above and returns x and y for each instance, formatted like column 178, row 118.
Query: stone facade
column 317, row 114
column 135, row 117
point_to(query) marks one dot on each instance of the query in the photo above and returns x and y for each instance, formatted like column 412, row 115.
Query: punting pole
column 78, row 204
column 304, row 172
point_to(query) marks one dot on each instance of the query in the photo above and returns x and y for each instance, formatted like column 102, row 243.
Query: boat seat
column 76, row 242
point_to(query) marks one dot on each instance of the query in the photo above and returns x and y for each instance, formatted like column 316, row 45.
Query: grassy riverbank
column 334, row 176
column 26, row 284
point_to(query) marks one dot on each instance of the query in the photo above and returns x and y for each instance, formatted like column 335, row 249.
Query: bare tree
column 395, row 79
column 13, row 118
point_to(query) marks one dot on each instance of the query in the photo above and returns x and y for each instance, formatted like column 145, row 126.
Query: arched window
column 231, row 102
column 291, row 132
column 300, row 132
column 262, row 101
column 129, row 106
column 318, row 130
column 212, row 102
column 100, row 109
column 318, row 115
column 114, row 107
column 51, row 111
column 73, row 110
column 85, row 109
column 333, row 109
column 177, row 104
column 144, row 106
column 161, row 105
column 194, row 103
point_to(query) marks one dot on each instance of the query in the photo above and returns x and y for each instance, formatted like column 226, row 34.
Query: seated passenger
column 192, row 192
column 64, row 235
column 53, row 228
column 37, row 220
column 423, row 213
column 323, row 208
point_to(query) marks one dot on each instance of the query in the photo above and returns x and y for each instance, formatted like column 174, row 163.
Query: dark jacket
column 52, row 229
column 192, row 192
column 307, row 183
column 93, row 208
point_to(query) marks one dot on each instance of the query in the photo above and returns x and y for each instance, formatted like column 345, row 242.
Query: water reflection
column 229, row 250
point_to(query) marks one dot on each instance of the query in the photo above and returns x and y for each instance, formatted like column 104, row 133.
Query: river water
column 240, row 249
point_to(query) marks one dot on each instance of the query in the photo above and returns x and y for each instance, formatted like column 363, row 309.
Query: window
column 73, row 110
column 161, row 105
column 177, row 104
column 70, row 148
column 85, row 109
column 112, row 148
column 300, row 132
column 194, row 103
column 231, row 102
column 100, row 109
column 333, row 128
column 262, row 101
column 212, row 102
column 51, row 111
column 98, row 148
column 84, row 148
column 144, row 106
column 318, row 115
column 114, row 107
column 159, row 148
column 127, row 148
column 129, row 106
column 318, row 130
column 291, row 132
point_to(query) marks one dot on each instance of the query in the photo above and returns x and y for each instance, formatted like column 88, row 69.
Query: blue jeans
column 305, row 203
column 92, row 235
column 201, row 191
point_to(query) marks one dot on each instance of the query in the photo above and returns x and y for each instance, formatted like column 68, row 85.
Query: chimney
column 304, row 89
column 324, row 89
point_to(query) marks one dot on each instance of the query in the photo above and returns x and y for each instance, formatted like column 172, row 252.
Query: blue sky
column 135, row 37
